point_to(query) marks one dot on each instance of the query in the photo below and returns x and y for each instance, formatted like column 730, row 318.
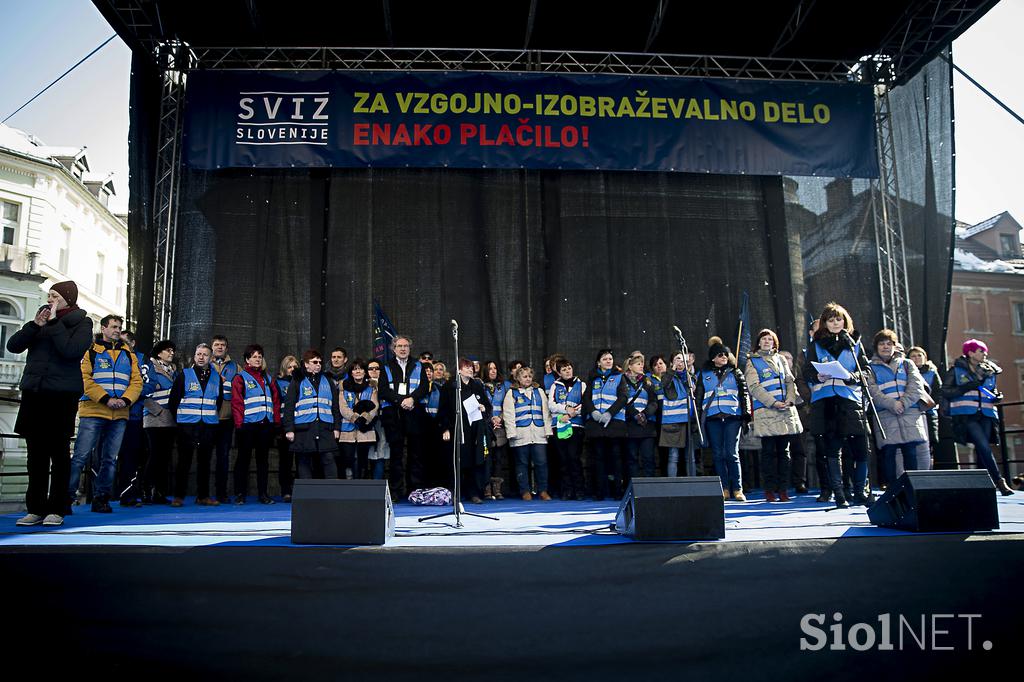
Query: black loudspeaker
column 686, row 508
column 333, row 512
column 957, row 501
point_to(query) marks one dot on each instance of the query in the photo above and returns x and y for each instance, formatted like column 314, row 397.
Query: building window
column 10, row 322
column 65, row 251
column 1009, row 245
column 119, row 297
column 1017, row 313
column 9, row 219
column 977, row 320
column 101, row 262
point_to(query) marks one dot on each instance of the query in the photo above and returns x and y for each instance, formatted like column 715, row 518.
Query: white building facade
column 55, row 225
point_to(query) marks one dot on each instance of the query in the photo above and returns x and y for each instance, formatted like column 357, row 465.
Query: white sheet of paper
column 833, row 369
column 472, row 406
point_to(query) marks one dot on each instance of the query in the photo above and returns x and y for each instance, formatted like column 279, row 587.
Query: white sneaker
column 29, row 520
column 53, row 520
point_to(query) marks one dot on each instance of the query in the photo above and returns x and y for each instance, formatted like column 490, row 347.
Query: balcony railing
column 10, row 372
column 18, row 259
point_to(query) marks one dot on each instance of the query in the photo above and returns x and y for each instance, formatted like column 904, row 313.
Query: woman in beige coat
column 773, row 395
column 528, row 425
column 358, row 405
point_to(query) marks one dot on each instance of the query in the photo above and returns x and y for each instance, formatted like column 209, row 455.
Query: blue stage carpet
column 520, row 524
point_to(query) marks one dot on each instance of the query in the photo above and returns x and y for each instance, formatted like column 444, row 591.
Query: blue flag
column 743, row 340
column 383, row 333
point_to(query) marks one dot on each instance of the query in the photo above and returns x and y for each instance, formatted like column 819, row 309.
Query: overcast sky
column 39, row 40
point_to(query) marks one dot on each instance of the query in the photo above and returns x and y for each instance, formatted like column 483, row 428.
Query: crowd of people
column 537, row 434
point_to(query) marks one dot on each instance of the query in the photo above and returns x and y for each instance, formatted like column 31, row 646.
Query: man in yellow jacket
column 113, row 382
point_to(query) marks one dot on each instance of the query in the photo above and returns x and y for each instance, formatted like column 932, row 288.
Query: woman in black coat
column 472, row 452
column 606, row 424
column 837, row 411
column 317, row 438
column 56, row 341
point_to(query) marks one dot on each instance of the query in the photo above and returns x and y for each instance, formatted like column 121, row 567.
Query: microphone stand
column 691, row 405
column 458, row 437
column 864, row 388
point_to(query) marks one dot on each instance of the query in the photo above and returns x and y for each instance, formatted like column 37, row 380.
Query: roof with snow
column 982, row 226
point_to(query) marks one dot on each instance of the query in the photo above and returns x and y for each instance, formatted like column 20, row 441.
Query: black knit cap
column 160, row 347
column 716, row 347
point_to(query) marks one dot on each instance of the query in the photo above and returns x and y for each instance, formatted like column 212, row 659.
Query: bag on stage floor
column 437, row 497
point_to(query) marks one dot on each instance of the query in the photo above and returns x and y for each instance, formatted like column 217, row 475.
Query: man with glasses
column 401, row 389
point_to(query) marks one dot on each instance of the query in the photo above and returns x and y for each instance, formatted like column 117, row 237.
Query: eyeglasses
column 315, row 362
column 373, row 369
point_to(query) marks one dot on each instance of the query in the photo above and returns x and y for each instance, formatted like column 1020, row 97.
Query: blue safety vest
column 892, row 384
column 158, row 389
column 351, row 399
column 639, row 402
column 113, row 376
column 605, row 390
column 570, row 396
column 498, row 397
column 282, row 386
column 659, row 395
column 414, row 380
column 771, row 379
column 314, row 403
column 227, row 375
column 529, row 407
column 981, row 399
column 720, row 398
column 198, row 403
column 136, row 412
column 676, row 411
column 259, row 400
column 928, row 376
column 549, row 379
column 433, row 399
column 837, row 387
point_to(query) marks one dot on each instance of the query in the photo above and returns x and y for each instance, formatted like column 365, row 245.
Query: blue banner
column 284, row 119
column 383, row 334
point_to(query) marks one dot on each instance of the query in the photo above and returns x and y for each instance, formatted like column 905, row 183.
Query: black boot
column 101, row 504
column 841, row 502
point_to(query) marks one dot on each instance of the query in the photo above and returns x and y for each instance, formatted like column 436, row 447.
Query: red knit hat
column 68, row 291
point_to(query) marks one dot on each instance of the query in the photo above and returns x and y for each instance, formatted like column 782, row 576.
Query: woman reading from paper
column 475, row 411
column 833, row 371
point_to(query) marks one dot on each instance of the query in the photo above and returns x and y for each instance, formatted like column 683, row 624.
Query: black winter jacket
column 55, row 352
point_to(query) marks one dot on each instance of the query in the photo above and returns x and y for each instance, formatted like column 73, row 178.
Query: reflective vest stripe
column 977, row 400
column 113, row 376
column 605, row 391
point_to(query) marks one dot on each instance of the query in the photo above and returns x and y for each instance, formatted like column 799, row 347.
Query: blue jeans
column 105, row 434
column 537, row 453
column 909, row 451
column 978, row 432
column 724, row 438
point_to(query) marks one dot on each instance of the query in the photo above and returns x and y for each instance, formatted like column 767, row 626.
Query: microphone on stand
column 455, row 328
column 679, row 334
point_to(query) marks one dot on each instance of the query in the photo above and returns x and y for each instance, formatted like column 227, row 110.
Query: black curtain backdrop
column 527, row 262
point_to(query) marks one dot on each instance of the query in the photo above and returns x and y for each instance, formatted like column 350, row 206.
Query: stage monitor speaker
column 333, row 512
column 927, row 501
column 685, row 508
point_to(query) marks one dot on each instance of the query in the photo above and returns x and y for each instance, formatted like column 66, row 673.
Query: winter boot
column 488, row 495
column 1003, row 488
column 783, row 496
column 769, row 496
column 496, row 488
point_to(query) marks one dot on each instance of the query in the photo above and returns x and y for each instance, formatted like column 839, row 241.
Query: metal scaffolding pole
column 885, row 204
column 175, row 59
